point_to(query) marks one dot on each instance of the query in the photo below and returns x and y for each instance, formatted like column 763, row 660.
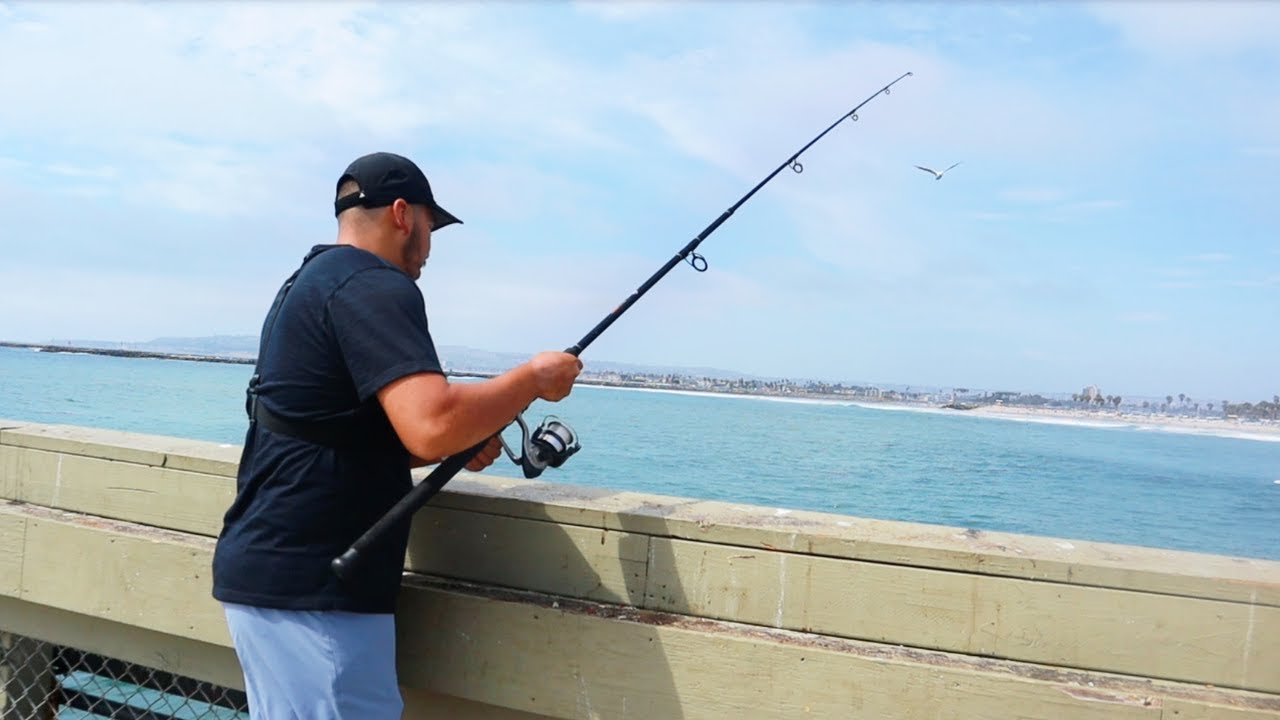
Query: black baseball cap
column 383, row 177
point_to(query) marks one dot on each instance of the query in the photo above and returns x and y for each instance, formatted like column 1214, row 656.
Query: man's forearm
column 473, row 412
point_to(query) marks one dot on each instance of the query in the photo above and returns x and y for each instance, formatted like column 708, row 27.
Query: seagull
column 936, row 175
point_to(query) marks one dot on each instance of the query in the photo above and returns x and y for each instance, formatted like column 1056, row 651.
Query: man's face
column 418, row 246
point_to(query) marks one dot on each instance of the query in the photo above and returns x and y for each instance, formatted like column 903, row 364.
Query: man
column 348, row 395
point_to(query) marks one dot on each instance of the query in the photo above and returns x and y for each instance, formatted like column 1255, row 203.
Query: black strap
column 339, row 432
column 343, row 432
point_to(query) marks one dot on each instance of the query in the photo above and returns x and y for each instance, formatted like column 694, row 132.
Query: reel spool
column 549, row 445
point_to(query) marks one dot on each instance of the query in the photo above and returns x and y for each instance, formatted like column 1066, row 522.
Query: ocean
column 1131, row 485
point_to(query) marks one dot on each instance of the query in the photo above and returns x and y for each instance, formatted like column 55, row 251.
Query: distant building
column 1092, row 393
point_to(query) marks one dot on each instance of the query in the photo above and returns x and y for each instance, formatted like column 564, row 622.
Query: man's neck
column 370, row 243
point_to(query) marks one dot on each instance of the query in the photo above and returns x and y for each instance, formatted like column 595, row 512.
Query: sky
column 1114, row 221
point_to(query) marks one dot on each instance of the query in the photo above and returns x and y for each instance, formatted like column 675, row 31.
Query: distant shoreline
column 1263, row 430
column 1259, row 429
column 117, row 352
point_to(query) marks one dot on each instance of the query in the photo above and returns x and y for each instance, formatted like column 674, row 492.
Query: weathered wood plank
column 576, row 659
column 424, row 705
column 13, row 535
column 94, row 442
column 156, row 450
column 209, row 662
column 591, row 563
column 163, row 497
column 1177, row 709
column 202, row 457
column 14, row 472
column 9, row 479
column 1162, row 636
column 1059, row 560
column 141, row 576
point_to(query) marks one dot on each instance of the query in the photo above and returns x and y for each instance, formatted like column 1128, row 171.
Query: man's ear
column 401, row 214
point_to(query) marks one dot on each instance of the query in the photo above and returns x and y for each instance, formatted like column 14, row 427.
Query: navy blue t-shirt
column 350, row 324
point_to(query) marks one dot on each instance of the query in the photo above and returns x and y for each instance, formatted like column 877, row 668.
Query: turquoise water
column 1126, row 485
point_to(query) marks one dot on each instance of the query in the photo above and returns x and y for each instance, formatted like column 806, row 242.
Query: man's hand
column 554, row 373
column 485, row 457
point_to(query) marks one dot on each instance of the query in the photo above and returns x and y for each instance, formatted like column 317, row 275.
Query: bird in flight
column 936, row 175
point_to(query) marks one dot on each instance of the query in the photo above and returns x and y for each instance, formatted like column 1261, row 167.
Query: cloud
column 1051, row 205
column 1143, row 317
column 199, row 95
column 80, row 171
column 1194, row 29
column 1085, row 206
column 123, row 305
column 1268, row 281
column 1080, row 210
column 1033, row 195
column 622, row 10
column 986, row 216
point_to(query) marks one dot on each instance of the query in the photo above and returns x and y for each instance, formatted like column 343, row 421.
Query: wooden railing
column 536, row 599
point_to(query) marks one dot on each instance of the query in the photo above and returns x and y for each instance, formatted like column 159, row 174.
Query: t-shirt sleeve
column 380, row 323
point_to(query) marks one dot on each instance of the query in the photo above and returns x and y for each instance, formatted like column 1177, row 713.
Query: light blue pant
column 316, row 665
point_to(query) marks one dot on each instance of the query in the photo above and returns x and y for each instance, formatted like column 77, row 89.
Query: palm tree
column 1168, row 399
column 1210, row 407
column 1182, row 398
column 1116, row 401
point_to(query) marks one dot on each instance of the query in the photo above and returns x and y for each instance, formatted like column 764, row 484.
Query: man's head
column 384, row 204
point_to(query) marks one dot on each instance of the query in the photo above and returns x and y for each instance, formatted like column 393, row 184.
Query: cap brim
column 442, row 218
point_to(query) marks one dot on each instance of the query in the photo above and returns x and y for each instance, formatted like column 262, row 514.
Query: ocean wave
column 896, row 407
column 1212, row 432
column 1136, row 426
column 1069, row 421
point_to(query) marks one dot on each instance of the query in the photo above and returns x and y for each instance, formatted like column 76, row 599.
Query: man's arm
column 435, row 418
column 482, row 460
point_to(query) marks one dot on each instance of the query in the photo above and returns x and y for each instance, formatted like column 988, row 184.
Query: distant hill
column 455, row 357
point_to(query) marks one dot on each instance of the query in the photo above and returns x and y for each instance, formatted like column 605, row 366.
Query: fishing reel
column 549, row 445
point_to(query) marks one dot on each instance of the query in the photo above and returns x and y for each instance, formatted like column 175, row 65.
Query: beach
column 1223, row 427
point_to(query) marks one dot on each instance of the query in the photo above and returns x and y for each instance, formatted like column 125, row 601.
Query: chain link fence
column 43, row 681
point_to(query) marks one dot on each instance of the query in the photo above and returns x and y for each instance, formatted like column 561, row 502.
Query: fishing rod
column 553, row 442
